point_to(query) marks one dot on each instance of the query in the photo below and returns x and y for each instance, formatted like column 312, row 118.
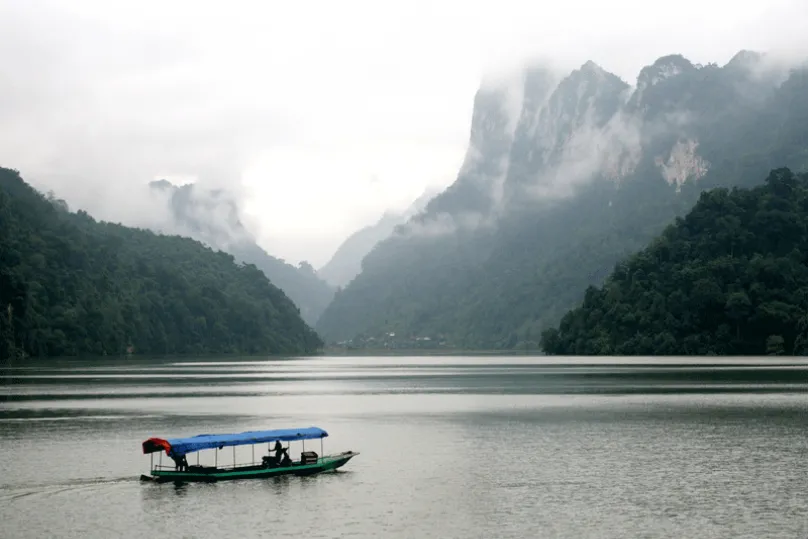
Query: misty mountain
column 70, row 285
column 213, row 217
column 565, row 176
column 346, row 263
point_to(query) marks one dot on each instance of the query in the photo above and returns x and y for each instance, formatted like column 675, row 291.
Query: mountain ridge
column 346, row 262
column 513, row 242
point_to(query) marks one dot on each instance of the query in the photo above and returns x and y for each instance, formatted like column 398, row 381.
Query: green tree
column 738, row 308
column 775, row 345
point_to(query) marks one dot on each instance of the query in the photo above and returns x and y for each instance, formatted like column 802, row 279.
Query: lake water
column 451, row 447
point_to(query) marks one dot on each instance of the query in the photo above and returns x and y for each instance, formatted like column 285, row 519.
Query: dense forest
column 492, row 261
column 70, row 285
column 730, row 278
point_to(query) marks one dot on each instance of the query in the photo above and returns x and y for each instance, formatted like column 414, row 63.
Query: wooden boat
column 267, row 466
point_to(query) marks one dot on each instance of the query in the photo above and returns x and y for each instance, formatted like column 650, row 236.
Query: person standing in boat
column 180, row 463
column 281, row 455
column 273, row 460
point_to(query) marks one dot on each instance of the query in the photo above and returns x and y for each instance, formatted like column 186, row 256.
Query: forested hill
column 730, row 278
column 553, row 194
column 70, row 285
column 214, row 218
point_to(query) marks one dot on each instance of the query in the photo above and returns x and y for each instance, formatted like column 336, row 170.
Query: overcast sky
column 322, row 114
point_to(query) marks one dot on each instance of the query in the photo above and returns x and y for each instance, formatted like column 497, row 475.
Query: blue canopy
column 180, row 446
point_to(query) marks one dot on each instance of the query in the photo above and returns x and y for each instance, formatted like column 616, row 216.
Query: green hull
column 209, row 475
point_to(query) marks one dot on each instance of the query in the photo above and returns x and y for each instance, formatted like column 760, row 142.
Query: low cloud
column 569, row 152
column 99, row 98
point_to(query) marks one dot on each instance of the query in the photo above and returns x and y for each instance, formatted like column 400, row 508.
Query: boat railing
column 233, row 466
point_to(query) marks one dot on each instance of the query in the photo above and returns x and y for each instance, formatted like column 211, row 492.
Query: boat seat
column 308, row 457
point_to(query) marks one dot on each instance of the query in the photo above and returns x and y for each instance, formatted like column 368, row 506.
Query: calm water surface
column 458, row 447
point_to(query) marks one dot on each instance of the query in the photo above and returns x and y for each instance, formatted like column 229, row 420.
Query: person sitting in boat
column 285, row 460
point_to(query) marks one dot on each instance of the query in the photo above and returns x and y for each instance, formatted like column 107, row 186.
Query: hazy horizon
column 319, row 118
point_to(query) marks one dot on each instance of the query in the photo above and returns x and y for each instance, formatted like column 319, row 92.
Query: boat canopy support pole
column 151, row 461
column 234, row 456
column 321, row 448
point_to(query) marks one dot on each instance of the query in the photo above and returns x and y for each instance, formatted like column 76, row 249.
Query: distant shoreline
column 337, row 351
column 324, row 353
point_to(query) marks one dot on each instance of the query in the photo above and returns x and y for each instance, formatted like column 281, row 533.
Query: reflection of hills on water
column 374, row 376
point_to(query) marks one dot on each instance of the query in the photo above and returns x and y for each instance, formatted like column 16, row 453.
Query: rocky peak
column 744, row 59
column 587, row 98
column 491, row 123
column 589, row 65
column 589, row 90
column 759, row 69
column 651, row 96
column 593, row 71
column 561, row 129
column 591, row 74
column 496, row 106
column 664, row 68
